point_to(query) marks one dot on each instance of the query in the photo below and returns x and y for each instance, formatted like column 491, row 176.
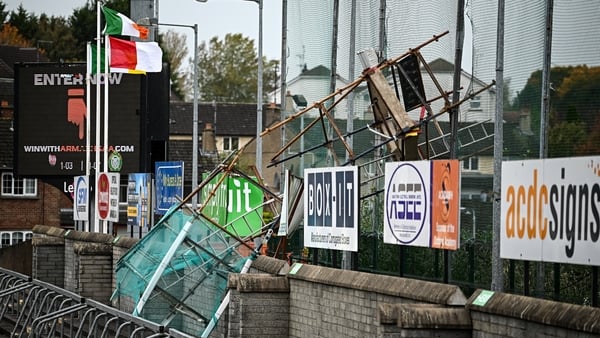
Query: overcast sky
column 214, row 18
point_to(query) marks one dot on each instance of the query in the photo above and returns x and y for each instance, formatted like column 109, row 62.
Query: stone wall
column 326, row 302
column 48, row 261
column 276, row 300
column 505, row 315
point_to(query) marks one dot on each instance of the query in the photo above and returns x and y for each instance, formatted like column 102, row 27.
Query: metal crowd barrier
column 32, row 308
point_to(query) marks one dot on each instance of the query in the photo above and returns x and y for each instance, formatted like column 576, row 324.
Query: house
column 232, row 125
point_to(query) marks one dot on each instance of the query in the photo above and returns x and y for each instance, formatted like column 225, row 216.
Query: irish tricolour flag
column 127, row 57
column 133, row 57
column 119, row 24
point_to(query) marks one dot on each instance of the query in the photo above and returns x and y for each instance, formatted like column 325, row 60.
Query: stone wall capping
column 418, row 290
column 91, row 249
column 89, row 237
column 124, row 242
column 410, row 316
column 47, row 241
column 48, row 230
column 547, row 312
column 271, row 265
column 245, row 282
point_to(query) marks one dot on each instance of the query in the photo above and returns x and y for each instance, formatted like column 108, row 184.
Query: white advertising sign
column 107, row 197
column 406, row 203
column 550, row 210
column 331, row 208
column 81, row 199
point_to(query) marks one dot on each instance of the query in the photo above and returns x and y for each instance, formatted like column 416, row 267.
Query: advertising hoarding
column 169, row 185
column 107, row 197
column 51, row 119
column 234, row 198
column 331, row 208
column 139, row 199
column 550, row 210
column 422, row 204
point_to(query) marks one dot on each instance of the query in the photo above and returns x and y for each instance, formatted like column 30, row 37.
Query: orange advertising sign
column 445, row 204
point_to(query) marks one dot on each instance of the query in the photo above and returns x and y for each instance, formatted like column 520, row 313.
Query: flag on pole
column 134, row 57
column 119, row 24
column 92, row 65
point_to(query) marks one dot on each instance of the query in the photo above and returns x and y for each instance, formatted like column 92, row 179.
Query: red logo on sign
column 103, row 196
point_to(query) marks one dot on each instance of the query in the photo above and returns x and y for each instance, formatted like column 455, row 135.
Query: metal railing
column 32, row 308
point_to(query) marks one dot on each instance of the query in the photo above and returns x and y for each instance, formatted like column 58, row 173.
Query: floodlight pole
column 195, row 108
column 259, row 90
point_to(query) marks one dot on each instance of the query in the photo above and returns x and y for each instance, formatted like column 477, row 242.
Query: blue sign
column 80, row 199
column 169, row 185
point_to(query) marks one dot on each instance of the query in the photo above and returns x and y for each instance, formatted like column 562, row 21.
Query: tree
column 574, row 101
column 174, row 51
column 55, row 39
column 227, row 70
column 10, row 36
column 83, row 23
column 25, row 22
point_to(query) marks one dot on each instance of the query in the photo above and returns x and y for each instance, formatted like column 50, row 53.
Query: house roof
column 237, row 119
column 9, row 55
column 319, row 70
column 440, row 65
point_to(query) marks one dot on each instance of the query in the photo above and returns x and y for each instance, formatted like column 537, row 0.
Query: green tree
column 25, row 22
column 55, row 39
column 174, row 52
column 83, row 23
column 227, row 70
column 3, row 12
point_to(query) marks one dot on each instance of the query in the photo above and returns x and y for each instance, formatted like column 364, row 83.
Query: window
column 230, row 143
column 471, row 164
column 17, row 237
column 475, row 103
column 5, row 240
column 18, row 186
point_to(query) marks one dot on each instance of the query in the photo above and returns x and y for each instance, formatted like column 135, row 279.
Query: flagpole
column 106, row 82
column 88, row 110
column 97, row 150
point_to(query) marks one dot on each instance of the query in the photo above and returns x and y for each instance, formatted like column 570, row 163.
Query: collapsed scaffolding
column 177, row 274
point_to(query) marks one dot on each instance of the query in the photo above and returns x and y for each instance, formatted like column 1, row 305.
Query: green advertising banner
column 234, row 198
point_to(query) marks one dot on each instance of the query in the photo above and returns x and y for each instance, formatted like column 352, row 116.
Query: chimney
column 208, row 139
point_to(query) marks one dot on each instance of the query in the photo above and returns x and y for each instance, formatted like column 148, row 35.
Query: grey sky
column 214, row 18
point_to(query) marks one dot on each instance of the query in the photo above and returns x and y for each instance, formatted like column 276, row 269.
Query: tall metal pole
column 195, row 121
column 460, row 37
column 497, row 268
column 347, row 260
column 259, row 94
column 148, row 21
column 545, row 109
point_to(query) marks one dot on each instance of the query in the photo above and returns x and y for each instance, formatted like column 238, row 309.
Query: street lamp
column 154, row 22
column 259, row 94
column 259, row 120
